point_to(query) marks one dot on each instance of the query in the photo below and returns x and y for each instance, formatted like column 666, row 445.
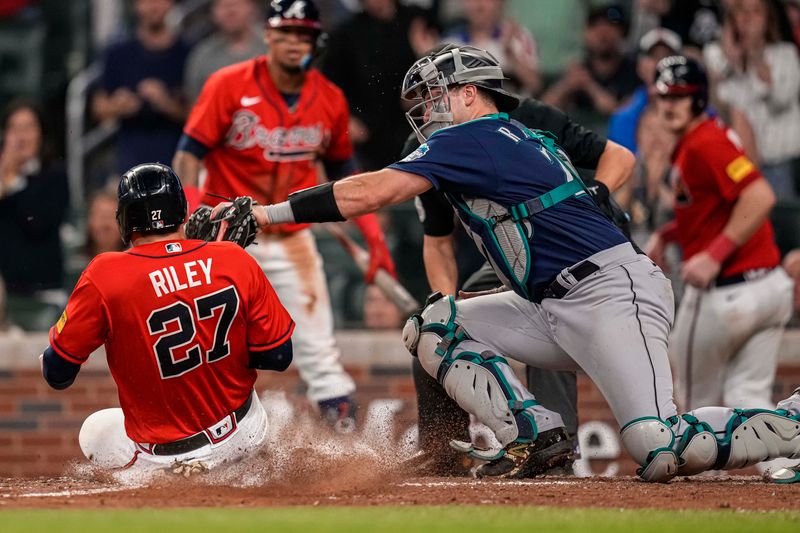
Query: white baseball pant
column 294, row 268
column 105, row 443
column 724, row 346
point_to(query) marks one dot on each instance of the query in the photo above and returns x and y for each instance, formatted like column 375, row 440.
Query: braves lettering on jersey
column 709, row 172
column 260, row 147
column 178, row 320
column 493, row 158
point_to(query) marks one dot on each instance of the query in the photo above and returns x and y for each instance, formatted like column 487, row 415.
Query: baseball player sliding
column 260, row 128
column 578, row 295
column 185, row 324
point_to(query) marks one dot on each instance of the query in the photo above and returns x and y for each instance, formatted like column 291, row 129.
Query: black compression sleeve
column 436, row 214
column 277, row 359
column 316, row 204
column 57, row 371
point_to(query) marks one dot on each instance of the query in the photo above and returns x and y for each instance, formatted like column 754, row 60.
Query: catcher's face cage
column 151, row 199
column 429, row 78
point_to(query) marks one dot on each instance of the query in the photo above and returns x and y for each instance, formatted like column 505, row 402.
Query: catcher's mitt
column 199, row 225
column 235, row 223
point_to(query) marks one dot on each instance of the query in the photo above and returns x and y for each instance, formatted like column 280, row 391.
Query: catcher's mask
column 428, row 79
column 151, row 200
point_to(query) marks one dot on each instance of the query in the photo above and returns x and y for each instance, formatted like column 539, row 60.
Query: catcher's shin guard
column 748, row 437
column 650, row 442
column 481, row 383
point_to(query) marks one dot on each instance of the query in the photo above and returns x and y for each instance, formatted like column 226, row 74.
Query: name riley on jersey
column 167, row 280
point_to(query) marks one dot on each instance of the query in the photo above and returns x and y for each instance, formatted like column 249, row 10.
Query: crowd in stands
column 594, row 59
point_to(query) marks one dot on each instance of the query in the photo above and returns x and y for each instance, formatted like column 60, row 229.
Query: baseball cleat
column 551, row 449
column 785, row 476
column 339, row 413
column 445, row 463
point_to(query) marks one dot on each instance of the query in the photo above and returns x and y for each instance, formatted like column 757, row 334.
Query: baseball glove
column 199, row 225
column 237, row 222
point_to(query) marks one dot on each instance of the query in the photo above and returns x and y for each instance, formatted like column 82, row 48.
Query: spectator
column 141, row 86
column 604, row 80
column 236, row 39
column 488, row 28
column 696, row 21
column 757, row 73
column 379, row 311
column 33, row 204
column 367, row 57
column 102, row 233
column 637, row 127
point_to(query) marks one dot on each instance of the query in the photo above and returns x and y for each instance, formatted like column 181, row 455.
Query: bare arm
column 438, row 254
column 751, row 210
column 615, row 166
column 368, row 192
column 187, row 166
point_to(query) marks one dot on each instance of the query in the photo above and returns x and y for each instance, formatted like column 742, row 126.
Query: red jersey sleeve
column 731, row 168
column 268, row 323
column 340, row 147
column 83, row 326
column 209, row 119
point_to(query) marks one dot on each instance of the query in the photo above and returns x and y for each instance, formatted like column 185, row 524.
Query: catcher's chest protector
column 504, row 234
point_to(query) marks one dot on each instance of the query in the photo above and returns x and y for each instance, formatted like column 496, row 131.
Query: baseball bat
column 389, row 286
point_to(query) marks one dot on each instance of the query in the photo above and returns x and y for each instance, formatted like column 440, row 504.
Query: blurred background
column 64, row 138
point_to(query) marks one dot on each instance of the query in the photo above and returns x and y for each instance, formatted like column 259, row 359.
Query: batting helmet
column 293, row 13
column 443, row 67
column 683, row 76
column 151, row 200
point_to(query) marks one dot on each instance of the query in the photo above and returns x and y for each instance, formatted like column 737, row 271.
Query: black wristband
column 315, row 204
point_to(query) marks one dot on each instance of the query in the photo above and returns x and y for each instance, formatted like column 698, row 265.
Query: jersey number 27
column 227, row 299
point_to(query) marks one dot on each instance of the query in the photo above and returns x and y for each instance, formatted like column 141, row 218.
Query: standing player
column 185, row 324
column 738, row 300
column 579, row 295
column 261, row 127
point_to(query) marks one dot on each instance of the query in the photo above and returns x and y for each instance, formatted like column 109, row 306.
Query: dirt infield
column 738, row 492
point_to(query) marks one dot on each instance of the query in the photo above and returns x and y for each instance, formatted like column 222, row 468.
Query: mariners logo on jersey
column 416, row 154
column 296, row 143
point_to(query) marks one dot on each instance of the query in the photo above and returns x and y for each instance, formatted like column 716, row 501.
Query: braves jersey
column 258, row 146
column 178, row 320
column 493, row 158
column 709, row 171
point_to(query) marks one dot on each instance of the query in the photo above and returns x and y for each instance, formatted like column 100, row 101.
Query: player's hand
column 655, row 251
column 700, row 270
column 379, row 256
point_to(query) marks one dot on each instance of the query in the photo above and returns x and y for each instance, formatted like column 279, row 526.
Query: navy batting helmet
column 683, row 76
column 151, row 200
column 293, row 13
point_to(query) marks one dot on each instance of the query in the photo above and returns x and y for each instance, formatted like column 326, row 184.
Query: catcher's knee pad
column 756, row 435
column 696, row 448
column 475, row 381
column 478, row 384
column 433, row 333
column 650, row 442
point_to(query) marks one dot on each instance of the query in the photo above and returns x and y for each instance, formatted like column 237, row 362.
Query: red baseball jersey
column 178, row 320
column 709, row 171
column 258, row 146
